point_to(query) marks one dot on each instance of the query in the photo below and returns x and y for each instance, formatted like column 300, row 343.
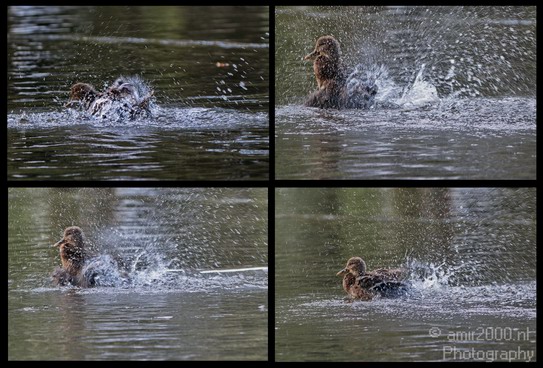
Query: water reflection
column 138, row 153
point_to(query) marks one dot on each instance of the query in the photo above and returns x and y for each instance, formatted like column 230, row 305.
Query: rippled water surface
column 454, row 103
column 165, row 238
column 208, row 67
column 472, row 260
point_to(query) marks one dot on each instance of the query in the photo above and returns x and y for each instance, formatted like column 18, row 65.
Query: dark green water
column 208, row 67
column 472, row 256
column 169, row 311
column 484, row 113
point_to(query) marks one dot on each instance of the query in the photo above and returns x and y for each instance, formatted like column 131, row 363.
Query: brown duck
column 73, row 256
column 127, row 97
column 363, row 285
column 332, row 91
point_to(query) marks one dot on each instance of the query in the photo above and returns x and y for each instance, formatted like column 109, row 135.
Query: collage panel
column 157, row 93
column 156, row 122
column 405, row 274
column 138, row 274
column 402, row 93
column 99, row 99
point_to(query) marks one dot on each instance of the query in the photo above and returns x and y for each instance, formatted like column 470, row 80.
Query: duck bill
column 342, row 272
column 57, row 244
column 311, row 56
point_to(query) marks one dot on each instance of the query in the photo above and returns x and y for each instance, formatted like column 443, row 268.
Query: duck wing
column 361, row 88
column 390, row 273
column 385, row 282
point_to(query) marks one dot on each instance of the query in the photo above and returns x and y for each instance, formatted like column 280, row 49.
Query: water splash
column 419, row 93
column 105, row 271
column 164, row 118
column 425, row 275
column 150, row 269
column 491, row 53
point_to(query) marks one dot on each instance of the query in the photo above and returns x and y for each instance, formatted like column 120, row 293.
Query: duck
column 363, row 285
column 335, row 88
column 126, row 98
column 78, row 268
column 72, row 256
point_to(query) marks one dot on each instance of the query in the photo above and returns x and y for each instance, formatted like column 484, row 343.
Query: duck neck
column 73, row 258
column 348, row 281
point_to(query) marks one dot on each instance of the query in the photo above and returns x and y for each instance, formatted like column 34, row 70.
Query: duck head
column 81, row 92
column 326, row 46
column 355, row 266
column 72, row 235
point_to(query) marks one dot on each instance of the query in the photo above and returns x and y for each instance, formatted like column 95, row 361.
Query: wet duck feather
column 364, row 285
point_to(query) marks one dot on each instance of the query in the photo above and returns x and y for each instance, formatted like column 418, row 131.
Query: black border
column 271, row 184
